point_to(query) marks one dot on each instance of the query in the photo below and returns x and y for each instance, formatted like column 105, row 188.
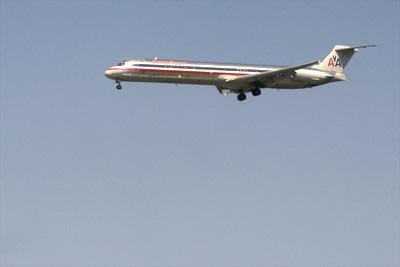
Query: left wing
column 278, row 74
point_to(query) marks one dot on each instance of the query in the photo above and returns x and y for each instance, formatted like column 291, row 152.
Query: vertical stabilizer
column 337, row 60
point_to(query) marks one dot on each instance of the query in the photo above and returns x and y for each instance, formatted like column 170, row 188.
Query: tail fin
column 339, row 57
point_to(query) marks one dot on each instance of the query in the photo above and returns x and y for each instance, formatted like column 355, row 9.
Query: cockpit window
column 121, row 63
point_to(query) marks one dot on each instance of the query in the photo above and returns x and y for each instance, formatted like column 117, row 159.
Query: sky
column 179, row 175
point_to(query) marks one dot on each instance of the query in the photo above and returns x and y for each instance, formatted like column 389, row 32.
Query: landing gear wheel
column 241, row 97
column 256, row 92
column 119, row 87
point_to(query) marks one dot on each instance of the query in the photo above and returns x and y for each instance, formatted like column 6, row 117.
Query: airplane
column 236, row 78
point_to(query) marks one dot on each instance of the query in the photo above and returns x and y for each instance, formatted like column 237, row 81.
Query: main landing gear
column 119, row 87
column 241, row 96
column 255, row 92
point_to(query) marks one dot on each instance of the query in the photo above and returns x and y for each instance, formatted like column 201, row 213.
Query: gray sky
column 166, row 175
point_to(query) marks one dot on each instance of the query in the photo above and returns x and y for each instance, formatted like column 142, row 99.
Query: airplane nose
column 108, row 73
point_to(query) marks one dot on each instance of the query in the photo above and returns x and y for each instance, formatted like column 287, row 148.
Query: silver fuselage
column 206, row 73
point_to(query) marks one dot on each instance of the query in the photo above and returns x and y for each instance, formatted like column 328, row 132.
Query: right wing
column 260, row 78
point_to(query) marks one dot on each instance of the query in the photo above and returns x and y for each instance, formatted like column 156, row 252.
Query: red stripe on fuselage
column 208, row 72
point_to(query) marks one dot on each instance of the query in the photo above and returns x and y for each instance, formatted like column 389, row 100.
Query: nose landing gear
column 119, row 87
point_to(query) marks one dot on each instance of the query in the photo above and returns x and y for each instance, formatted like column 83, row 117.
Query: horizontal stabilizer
column 355, row 47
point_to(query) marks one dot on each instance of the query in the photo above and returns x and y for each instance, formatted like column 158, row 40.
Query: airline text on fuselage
column 176, row 63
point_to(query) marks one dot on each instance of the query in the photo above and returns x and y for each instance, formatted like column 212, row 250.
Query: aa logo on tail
column 334, row 62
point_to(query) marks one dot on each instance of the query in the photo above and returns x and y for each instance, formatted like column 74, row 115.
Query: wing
column 263, row 77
